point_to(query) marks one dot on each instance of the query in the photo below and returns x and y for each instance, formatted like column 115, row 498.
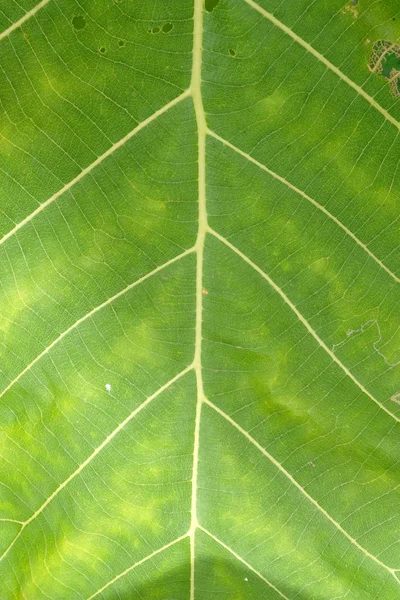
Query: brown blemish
column 205, row 292
column 381, row 59
column 381, row 49
column 396, row 398
column 394, row 82
column 351, row 9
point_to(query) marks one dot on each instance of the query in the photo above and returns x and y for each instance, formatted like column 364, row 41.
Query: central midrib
column 202, row 229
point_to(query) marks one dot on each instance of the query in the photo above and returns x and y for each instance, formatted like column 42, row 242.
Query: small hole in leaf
column 121, row 43
column 102, row 50
column 232, row 52
column 167, row 27
column 210, row 5
column 79, row 22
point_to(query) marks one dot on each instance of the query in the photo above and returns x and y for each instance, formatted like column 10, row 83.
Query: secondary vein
column 306, row 197
column 22, row 20
column 325, row 61
column 278, row 465
column 303, row 320
column 95, row 452
column 91, row 313
column 94, row 164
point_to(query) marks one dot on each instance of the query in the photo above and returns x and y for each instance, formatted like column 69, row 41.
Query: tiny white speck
column 246, row 579
column 108, row 387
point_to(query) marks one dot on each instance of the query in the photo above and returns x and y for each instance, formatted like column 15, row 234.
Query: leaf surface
column 199, row 268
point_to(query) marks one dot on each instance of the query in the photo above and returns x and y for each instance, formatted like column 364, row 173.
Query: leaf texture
column 199, row 268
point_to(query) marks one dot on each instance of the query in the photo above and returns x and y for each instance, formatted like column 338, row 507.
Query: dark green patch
column 79, row 22
column 121, row 43
column 210, row 5
column 167, row 27
column 232, row 52
column 390, row 62
column 155, row 29
column 102, row 50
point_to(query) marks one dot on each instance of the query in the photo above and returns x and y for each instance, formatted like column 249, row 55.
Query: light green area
column 118, row 479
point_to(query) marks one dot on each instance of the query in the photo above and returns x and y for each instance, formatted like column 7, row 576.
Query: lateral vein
column 325, row 61
column 22, row 20
column 94, row 164
column 306, row 197
column 137, row 564
column 95, row 452
column 92, row 312
column 303, row 321
column 278, row 465
column 242, row 560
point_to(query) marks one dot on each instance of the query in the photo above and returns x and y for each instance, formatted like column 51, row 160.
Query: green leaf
column 199, row 230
